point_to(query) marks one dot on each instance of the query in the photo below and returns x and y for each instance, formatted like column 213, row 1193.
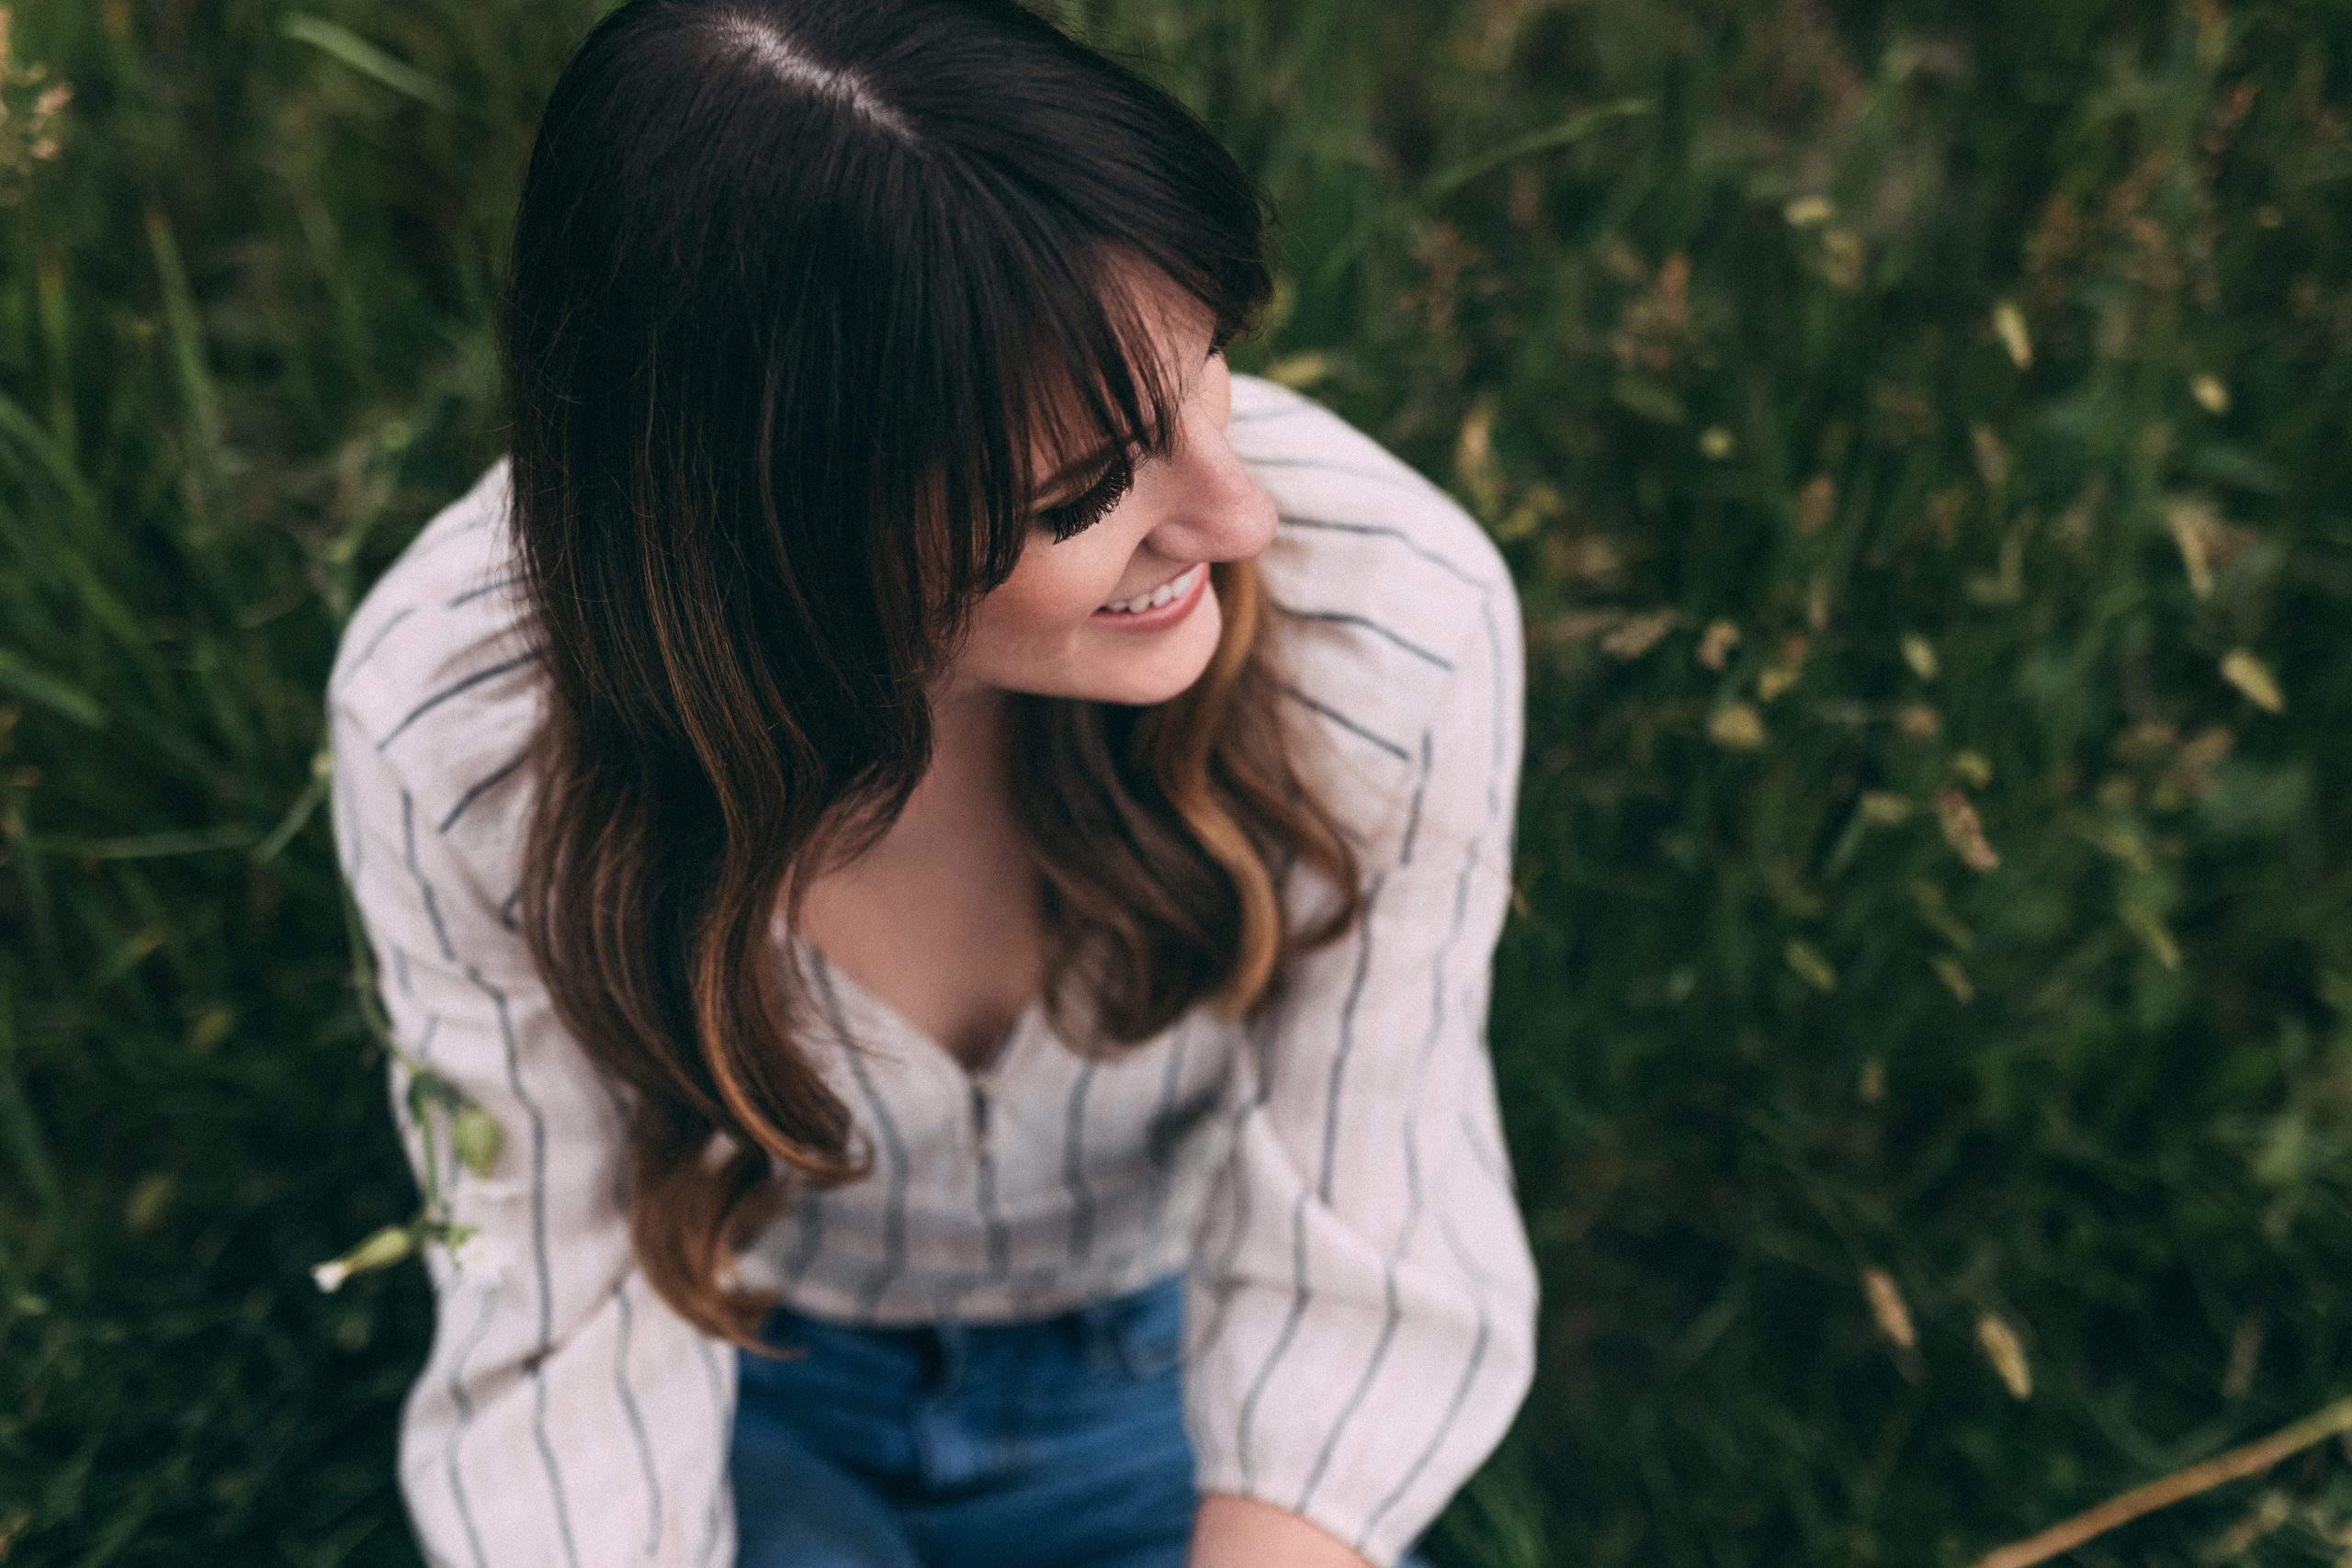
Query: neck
column 969, row 723
column 965, row 785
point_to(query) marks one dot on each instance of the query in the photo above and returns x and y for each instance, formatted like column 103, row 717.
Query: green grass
column 1696, row 303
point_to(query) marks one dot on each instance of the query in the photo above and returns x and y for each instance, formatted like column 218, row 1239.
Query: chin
column 1163, row 667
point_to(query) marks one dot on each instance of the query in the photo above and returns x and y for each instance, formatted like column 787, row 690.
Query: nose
column 1218, row 511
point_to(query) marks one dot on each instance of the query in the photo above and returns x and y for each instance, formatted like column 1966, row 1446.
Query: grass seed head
column 1965, row 831
column 2008, row 322
column 2007, row 1353
column 1888, row 1309
column 2250, row 675
column 1736, row 725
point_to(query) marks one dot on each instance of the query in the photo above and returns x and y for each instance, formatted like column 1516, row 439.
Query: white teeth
column 1160, row 595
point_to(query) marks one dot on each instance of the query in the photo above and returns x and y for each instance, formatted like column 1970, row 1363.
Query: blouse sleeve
column 565, row 1417
column 1363, row 1318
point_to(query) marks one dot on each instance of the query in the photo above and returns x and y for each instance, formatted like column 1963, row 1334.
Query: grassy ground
column 1919, row 431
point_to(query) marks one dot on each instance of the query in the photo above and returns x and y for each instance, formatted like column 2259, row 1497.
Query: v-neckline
column 992, row 1065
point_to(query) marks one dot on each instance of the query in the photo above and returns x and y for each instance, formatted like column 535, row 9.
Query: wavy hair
column 795, row 285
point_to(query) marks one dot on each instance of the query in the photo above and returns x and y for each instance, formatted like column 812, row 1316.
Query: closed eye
column 1076, row 516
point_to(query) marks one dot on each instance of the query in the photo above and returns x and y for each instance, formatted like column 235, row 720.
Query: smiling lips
column 1174, row 588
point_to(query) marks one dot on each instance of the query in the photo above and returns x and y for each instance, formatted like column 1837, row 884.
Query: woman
column 960, row 843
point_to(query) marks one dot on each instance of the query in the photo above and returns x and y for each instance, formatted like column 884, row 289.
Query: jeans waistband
column 1140, row 1330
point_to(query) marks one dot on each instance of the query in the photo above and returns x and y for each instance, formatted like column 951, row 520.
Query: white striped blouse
column 1360, row 1294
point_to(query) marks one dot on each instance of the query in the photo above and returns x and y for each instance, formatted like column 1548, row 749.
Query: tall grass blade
column 341, row 43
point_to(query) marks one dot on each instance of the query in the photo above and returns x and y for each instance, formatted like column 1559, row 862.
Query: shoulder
column 438, row 670
column 1392, row 599
column 1354, row 510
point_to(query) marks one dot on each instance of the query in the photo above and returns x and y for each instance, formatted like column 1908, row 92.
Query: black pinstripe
column 1409, row 1141
column 1445, row 1224
column 1461, row 1388
column 454, row 689
column 547, row 1460
column 713, row 1520
column 1345, row 618
column 1347, row 1043
column 812, row 1235
column 1300, row 1295
column 1355, row 1398
column 424, row 888
column 482, row 786
column 991, row 1222
column 637, row 1422
column 1344, row 722
column 1081, row 1199
column 1385, row 530
column 538, row 1251
column 620, row 1356
column 457, row 1387
column 368, row 652
column 894, row 1214
column 505, row 580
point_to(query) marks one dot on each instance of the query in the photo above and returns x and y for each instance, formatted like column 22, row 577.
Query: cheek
column 1051, row 592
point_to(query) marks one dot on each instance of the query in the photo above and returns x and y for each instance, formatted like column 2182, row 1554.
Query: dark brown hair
column 795, row 285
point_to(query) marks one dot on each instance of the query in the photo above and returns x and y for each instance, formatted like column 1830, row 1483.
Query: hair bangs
column 1077, row 382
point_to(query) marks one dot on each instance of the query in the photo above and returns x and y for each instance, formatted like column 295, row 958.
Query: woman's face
column 1049, row 629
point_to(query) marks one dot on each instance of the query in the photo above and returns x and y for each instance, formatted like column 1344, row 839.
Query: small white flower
column 380, row 1250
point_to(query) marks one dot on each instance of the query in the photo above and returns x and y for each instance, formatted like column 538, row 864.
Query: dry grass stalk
column 2235, row 1465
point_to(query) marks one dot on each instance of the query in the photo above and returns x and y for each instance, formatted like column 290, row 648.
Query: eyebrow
column 1107, row 454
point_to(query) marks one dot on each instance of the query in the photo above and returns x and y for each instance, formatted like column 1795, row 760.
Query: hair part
column 772, row 49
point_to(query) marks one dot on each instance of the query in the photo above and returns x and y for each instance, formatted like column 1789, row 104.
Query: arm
column 565, row 1416
column 1363, row 1306
column 1233, row 1531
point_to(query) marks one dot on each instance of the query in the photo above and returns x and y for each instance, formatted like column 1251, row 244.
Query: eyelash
column 1084, row 513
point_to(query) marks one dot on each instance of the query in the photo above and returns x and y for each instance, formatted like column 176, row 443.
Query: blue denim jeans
column 1057, row 1443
